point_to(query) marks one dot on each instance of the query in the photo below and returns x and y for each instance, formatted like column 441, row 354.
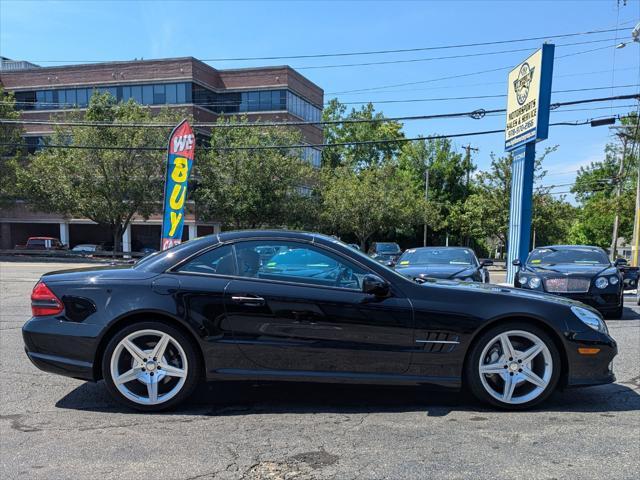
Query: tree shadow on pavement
column 246, row 398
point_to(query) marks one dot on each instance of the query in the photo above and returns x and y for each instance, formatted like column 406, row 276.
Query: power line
column 415, row 100
column 500, row 82
column 476, row 114
column 375, row 52
column 297, row 146
column 462, row 75
column 447, row 57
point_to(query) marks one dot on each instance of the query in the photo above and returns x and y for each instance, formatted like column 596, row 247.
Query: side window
column 218, row 261
column 296, row 262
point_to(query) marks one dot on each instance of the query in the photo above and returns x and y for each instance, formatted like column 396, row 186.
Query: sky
column 53, row 33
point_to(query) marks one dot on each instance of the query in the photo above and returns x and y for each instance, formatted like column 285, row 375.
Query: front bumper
column 584, row 370
column 603, row 302
column 60, row 347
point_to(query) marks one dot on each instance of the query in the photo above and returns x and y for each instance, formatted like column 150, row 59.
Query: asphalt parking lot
column 53, row 427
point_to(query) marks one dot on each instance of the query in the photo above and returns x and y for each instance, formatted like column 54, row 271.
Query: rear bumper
column 62, row 365
column 64, row 348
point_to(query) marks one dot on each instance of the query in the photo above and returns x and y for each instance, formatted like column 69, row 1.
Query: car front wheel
column 513, row 366
column 150, row 366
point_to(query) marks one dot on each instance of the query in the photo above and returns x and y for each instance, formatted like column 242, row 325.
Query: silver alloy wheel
column 515, row 367
column 149, row 367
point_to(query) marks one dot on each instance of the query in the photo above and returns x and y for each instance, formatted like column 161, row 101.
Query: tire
column 532, row 378
column 151, row 385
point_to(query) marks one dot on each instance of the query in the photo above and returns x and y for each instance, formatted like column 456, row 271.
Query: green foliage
column 368, row 201
column 596, row 185
column 448, row 185
column 8, row 154
column 106, row 186
column 485, row 213
column 358, row 156
column 255, row 188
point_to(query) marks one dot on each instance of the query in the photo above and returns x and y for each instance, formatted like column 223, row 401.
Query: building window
column 159, row 96
column 147, row 94
column 171, row 94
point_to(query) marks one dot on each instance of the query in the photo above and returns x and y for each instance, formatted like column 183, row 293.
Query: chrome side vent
column 439, row 342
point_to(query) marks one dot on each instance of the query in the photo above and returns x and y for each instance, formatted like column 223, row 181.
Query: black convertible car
column 455, row 263
column 315, row 310
column 579, row 272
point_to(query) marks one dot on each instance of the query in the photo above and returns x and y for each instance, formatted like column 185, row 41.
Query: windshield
column 365, row 259
column 437, row 256
column 387, row 248
column 576, row 256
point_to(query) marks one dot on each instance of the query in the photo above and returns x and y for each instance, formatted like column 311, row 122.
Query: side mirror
column 374, row 285
column 620, row 262
column 516, row 262
column 486, row 263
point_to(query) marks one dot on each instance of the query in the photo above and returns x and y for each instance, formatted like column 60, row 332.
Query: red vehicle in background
column 42, row 243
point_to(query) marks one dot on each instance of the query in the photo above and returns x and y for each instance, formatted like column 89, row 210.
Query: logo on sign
column 182, row 143
column 523, row 82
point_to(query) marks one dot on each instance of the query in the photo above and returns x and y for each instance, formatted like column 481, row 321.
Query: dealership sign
column 179, row 161
column 528, row 98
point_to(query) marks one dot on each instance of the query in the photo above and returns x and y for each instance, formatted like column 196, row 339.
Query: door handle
column 249, row 301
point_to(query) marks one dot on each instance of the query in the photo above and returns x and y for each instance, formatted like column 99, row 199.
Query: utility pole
column 616, row 219
column 467, row 166
column 636, row 224
column 426, row 197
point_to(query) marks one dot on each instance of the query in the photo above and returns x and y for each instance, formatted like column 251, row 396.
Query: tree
column 448, row 172
column 485, row 213
column 9, row 134
column 378, row 198
column 254, row 188
column 359, row 156
column 105, row 185
column 596, row 185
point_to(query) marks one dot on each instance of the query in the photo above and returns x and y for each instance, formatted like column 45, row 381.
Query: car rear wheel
column 513, row 366
column 150, row 366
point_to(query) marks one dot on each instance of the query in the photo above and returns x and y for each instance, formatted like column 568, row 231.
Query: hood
column 96, row 274
column 500, row 290
column 572, row 269
column 437, row 271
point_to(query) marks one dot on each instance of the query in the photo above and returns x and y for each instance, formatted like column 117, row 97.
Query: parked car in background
column 42, row 243
column 385, row 252
column 579, row 272
column 86, row 248
column 456, row 263
column 317, row 311
column 630, row 276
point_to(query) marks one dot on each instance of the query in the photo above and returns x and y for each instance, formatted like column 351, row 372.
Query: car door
column 303, row 309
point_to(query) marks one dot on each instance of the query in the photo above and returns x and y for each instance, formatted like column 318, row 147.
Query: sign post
column 528, row 101
column 179, row 161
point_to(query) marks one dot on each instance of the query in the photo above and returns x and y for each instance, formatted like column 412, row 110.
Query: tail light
column 44, row 302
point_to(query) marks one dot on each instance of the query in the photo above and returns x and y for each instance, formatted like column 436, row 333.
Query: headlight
column 523, row 280
column 591, row 319
column 613, row 280
column 534, row 282
column 601, row 282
